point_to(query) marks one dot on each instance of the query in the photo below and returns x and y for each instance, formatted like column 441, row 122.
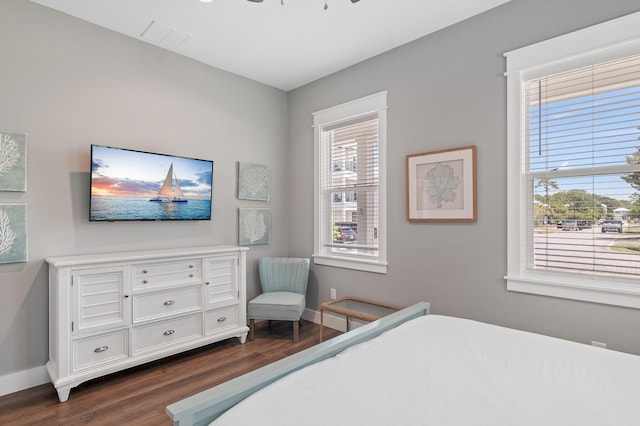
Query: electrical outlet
column 599, row 344
column 333, row 293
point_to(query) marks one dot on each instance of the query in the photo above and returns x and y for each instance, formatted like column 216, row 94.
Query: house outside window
column 350, row 193
column 574, row 165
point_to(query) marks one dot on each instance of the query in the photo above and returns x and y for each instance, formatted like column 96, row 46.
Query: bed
column 411, row 368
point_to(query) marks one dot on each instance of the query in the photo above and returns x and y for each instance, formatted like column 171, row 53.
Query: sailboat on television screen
column 170, row 193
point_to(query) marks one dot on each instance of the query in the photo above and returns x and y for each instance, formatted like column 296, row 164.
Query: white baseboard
column 337, row 322
column 22, row 380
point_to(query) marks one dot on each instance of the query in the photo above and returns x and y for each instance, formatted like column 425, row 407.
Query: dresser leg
column 63, row 393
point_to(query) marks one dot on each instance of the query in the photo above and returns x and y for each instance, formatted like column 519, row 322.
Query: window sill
column 618, row 294
column 357, row 264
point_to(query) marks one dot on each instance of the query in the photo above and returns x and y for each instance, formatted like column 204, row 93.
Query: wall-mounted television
column 136, row 185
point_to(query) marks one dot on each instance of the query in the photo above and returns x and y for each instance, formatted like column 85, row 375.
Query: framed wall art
column 254, row 226
column 254, row 182
column 441, row 185
column 13, row 161
column 13, row 232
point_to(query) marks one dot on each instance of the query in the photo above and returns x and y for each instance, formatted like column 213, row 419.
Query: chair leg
column 252, row 326
column 296, row 326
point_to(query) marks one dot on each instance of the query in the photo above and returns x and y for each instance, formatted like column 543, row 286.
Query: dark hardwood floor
column 138, row 396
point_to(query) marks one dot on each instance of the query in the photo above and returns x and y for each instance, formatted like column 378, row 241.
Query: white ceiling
column 284, row 46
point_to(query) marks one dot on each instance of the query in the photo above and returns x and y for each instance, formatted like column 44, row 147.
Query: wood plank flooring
column 138, row 396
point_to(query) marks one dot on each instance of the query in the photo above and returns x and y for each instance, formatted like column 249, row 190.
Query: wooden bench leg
column 296, row 326
column 252, row 326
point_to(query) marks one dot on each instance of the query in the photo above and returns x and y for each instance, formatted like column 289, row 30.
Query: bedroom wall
column 447, row 90
column 69, row 84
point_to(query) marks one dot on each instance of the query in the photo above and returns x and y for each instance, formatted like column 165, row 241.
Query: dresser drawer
column 93, row 351
column 165, row 273
column 168, row 332
column 220, row 319
column 160, row 304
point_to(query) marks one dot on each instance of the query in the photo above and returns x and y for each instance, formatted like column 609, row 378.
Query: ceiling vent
column 164, row 35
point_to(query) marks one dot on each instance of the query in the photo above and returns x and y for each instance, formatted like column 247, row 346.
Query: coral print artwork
column 13, row 161
column 254, row 182
column 13, row 233
column 441, row 185
column 254, row 226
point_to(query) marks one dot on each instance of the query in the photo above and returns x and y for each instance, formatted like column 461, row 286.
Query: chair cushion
column 277, row 305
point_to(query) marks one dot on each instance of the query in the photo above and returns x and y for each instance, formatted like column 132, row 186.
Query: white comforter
column 438, row 370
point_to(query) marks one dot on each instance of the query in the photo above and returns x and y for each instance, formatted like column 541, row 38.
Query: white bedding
column 438, row 370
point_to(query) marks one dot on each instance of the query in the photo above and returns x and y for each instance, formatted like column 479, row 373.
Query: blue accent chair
column 284, row 287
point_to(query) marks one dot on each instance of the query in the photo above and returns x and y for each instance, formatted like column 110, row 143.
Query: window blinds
column 350, row 186
column 582, row 166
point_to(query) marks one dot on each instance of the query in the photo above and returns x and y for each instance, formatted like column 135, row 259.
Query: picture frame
column 442, row 185
column 254, row 226
column 254, row 182
column 13, row 161
column 13, row 233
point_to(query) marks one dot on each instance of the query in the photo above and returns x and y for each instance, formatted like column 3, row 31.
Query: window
column 350, row 209
column 574, row 165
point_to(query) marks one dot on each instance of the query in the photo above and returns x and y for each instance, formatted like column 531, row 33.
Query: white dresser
column 112, row 311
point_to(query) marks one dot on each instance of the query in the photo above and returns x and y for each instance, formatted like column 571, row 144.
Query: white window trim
column 599, row 43
column 374, row 103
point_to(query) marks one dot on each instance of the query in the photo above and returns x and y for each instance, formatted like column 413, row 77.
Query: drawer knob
column 144, row 281
column 169, row 332
column 191, row 266
column 144, row 271
column 222, row 319
column 169, row 302
column 101, row 349
column 190, row 275
column 207, row 282
column 126, row 296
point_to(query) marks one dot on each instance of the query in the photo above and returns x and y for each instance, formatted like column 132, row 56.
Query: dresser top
column 128, row 256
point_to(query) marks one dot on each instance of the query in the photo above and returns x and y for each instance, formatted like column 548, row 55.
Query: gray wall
column 69, row 84
column 447, row 90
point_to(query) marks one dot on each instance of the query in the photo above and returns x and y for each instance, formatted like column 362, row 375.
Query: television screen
column 136, row 185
